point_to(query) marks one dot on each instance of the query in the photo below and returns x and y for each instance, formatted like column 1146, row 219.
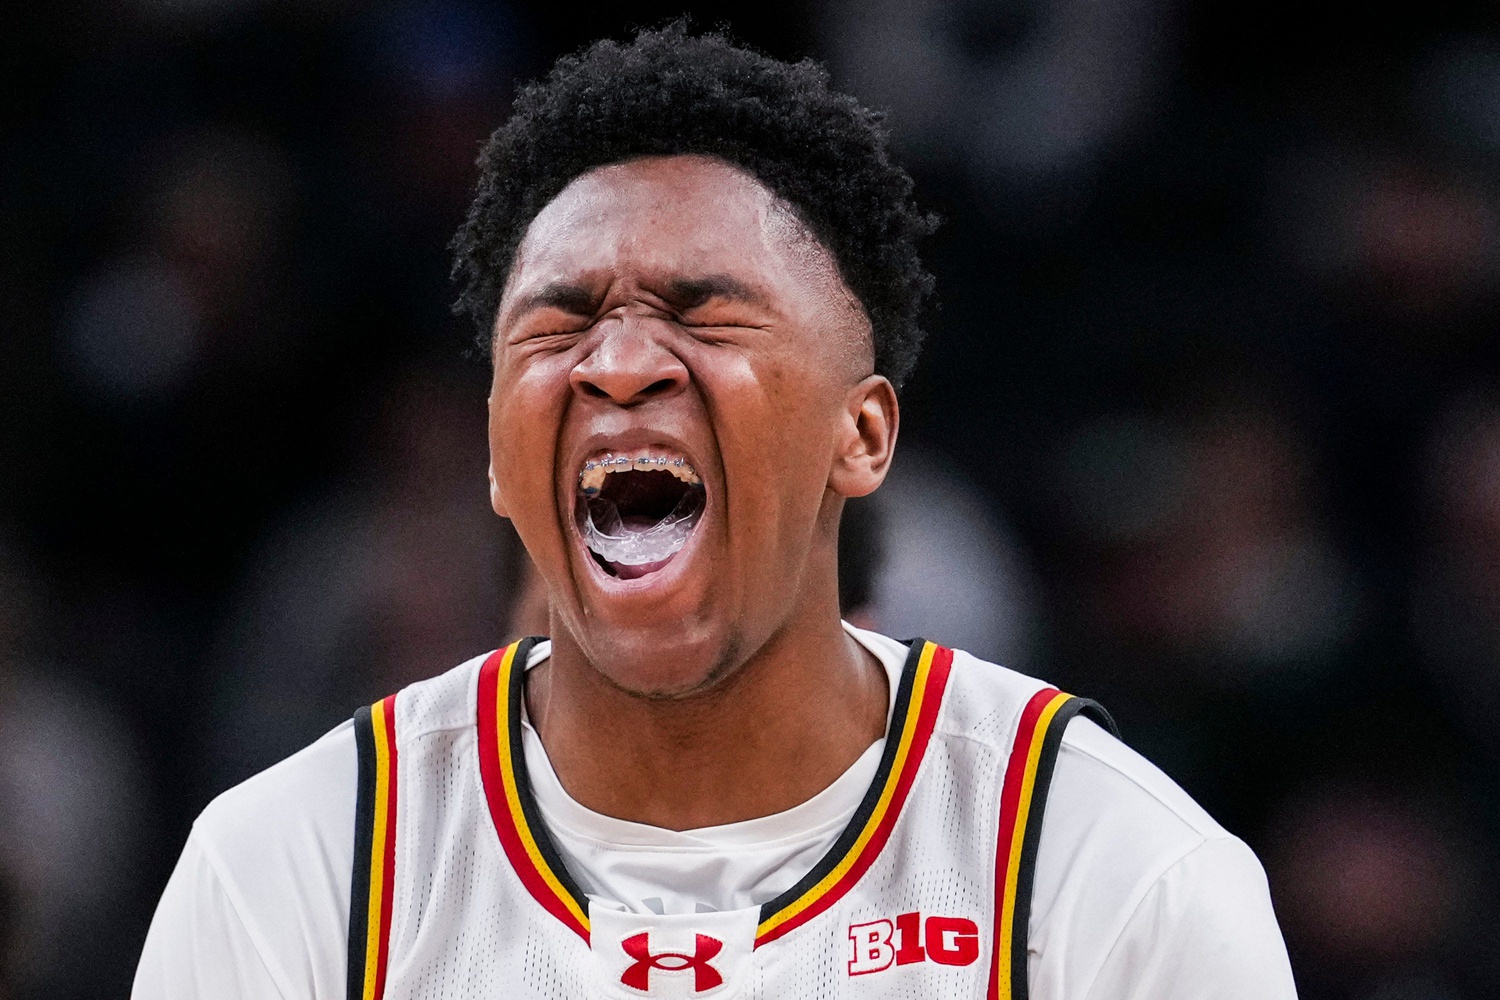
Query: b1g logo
column 638, row 976
column 880, row 944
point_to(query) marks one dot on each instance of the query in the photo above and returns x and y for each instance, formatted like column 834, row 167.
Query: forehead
column 668, row 217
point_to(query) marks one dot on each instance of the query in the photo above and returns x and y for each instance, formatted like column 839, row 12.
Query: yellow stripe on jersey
column 377, row 856
column 371, row 891
column 1005, row 932
column 1023, row 802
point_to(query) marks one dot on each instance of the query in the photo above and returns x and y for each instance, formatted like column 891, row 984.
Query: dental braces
column 621, row 463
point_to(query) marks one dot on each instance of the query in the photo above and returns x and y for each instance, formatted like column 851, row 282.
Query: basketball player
column 696, row 270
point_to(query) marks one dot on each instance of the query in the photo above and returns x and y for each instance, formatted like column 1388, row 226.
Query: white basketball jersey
column 458, row 893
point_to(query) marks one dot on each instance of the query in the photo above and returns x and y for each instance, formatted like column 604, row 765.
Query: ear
column 867, row 441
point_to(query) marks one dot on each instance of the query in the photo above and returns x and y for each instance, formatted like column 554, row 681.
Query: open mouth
column 635, row 513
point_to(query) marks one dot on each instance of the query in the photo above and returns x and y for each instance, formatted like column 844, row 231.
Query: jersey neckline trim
column 507, row 789
column 923, row 681
column 536, row 861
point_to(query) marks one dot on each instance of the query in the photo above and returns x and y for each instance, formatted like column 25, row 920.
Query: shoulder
column 1118, row 820
column 1122, row 847
column 303, row 807
column 280, row 846
column 300, row 796
column 1127, row 790
column 984, row 704
column 1137, row 886
column 1114, row 828
column 258, row 903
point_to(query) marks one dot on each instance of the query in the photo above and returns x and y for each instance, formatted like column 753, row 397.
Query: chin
column 647, row 663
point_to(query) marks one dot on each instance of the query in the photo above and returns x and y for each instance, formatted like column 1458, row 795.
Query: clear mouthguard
column 612, row 540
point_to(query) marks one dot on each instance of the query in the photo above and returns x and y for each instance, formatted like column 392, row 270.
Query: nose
column 629, row 365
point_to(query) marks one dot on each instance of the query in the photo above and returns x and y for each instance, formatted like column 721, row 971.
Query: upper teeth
column 591, row 479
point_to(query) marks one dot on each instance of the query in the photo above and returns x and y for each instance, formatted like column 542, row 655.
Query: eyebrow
column 569, row 298
column 689, row 292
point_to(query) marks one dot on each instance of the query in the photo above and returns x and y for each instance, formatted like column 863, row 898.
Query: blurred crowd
column 1208, row 428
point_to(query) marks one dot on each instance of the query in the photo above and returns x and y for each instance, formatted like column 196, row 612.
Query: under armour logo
column 638, row 976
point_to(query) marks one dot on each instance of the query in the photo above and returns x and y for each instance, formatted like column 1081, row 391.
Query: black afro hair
column 671, row 92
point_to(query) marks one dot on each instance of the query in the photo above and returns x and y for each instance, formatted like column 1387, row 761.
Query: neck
column 771, row 735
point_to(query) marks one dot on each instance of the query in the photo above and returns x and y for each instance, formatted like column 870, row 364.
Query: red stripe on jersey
column 1014, row 794
column 509, row 819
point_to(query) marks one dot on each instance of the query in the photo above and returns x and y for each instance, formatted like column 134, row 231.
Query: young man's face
column 671, row 309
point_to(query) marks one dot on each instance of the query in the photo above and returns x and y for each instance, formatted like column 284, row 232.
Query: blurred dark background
column 1208, row 428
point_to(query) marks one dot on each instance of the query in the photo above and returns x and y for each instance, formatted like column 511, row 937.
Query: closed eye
column 727, row 316
column 545, row 338
column 720, row 333
column 544, row 330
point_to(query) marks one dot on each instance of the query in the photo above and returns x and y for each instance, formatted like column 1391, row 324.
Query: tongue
column 625, row 571
column 637, row 543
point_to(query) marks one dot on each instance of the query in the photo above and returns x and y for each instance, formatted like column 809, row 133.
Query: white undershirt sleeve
column 199, row 947
column 258, row 906
column 1203, row 931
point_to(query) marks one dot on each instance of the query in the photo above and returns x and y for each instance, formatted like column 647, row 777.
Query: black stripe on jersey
column 364, row 827
column 847, row 839
column 530, row 811
column 1031, row 840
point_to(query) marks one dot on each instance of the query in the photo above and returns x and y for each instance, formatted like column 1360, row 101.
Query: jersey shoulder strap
column 374, row 850
column 1023, row 799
